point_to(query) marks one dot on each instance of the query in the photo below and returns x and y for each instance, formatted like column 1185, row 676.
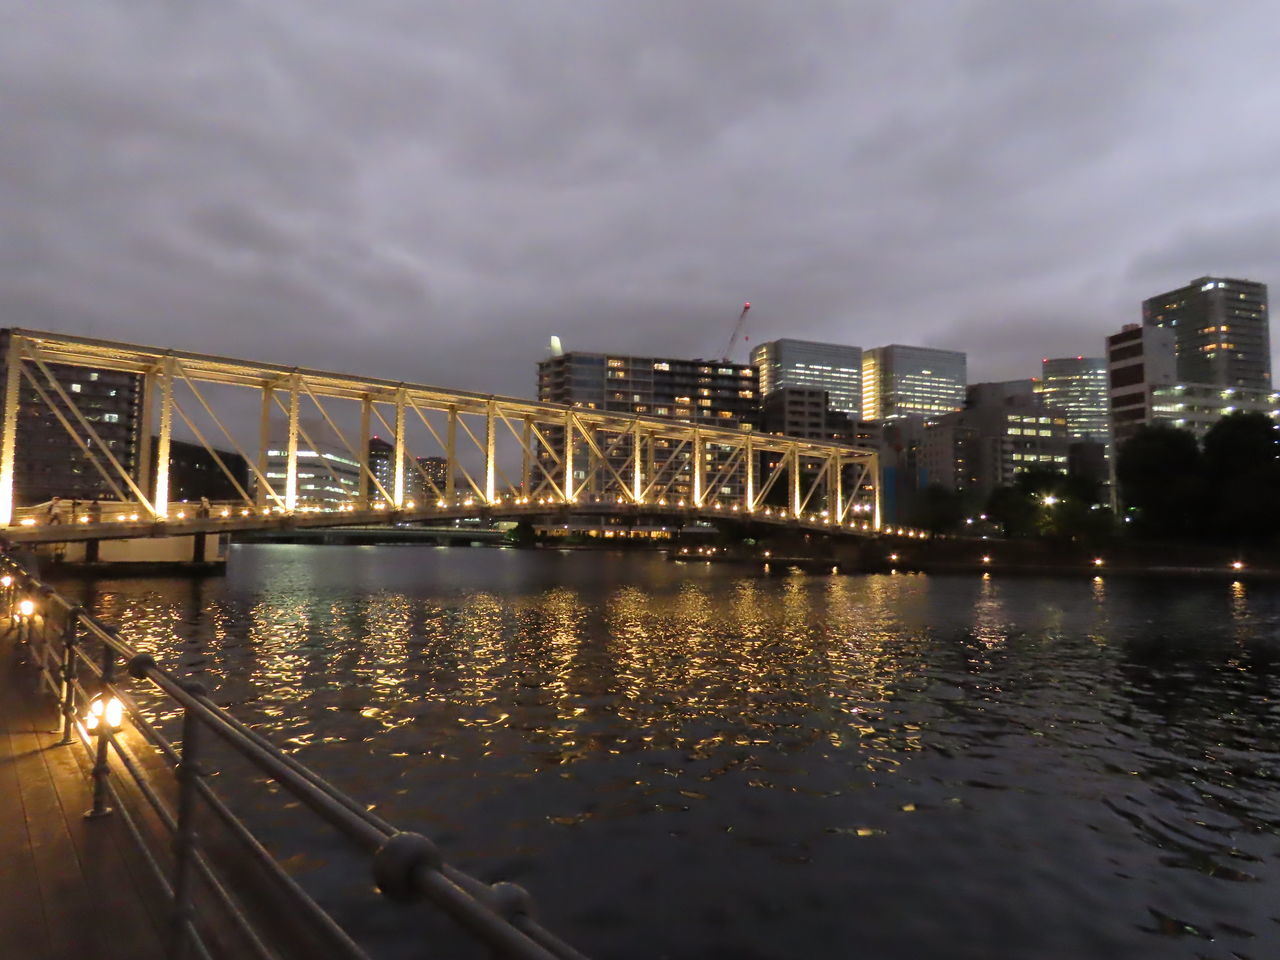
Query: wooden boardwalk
column 70, row 888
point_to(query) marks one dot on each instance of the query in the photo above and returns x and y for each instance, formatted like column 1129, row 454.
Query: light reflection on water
column 693, row 761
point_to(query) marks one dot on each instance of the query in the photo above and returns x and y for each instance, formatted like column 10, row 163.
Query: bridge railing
column 80, row 660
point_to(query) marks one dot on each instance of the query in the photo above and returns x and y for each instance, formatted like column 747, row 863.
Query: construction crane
column 737, row 331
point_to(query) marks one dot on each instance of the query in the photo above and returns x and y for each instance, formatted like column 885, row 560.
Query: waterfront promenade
column 69, row 887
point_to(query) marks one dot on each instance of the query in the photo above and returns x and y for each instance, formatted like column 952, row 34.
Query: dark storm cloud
column 428, row 191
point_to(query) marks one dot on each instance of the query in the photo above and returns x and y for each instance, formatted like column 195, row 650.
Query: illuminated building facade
column 54, row 464
column 899, row 381
column 1221, row 332
column 1145, row 363
column 327, row 474
column 712, row 392
column 832, row 367
column 1004, row 429
column 1077, row 386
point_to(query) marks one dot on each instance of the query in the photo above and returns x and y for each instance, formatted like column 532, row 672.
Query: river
column 698, row 761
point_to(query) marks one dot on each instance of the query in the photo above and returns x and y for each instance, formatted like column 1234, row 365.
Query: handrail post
column 101, row 768
column 69, row 675
column 184, row 841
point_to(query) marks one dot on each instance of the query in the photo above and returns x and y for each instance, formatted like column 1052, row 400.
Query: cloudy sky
column 427, row 191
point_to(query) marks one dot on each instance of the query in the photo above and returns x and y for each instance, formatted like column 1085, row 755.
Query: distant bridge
column 503, row 458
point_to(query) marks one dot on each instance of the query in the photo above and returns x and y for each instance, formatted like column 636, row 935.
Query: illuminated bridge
column 305, row 437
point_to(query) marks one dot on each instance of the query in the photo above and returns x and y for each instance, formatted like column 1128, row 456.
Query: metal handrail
column 406, row 866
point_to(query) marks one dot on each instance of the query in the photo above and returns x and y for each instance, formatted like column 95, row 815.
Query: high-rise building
column 805, row 412
column 1004, row 428
column 1144, row 364
column 327, row 476
column 708, row 392
column 1221, row 333
column 899, row 381
column 52, row 462
column 832, row 367
column 1077, row 386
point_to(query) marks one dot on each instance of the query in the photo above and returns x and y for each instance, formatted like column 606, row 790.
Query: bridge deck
column 69, row 887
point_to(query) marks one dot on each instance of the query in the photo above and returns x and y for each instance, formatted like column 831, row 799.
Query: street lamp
column 104, row 718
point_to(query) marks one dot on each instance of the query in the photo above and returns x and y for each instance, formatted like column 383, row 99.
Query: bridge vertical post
column 526, row 457
column 9, row 431
column 875, row 486
column 366, row 414
column 836, row 490
column 490, row 438
column 145, row 427
column 698, row 467
column 264, row 442
column 794, row 478
column 451, row 455
column 291, row 465
column 749, row 488
column 569, row 492
column 397, row 492
column 160, row 497
column 637, row 472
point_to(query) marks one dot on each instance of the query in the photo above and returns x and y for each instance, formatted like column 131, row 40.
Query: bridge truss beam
column 508, row 453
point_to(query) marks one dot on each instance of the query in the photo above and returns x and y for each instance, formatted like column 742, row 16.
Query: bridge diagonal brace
column 342, row 437
column 602, row 459
column 726, row 471
column 315, row 447
column 671, row 461
column 252, row 462
column 454, row 465
column 191, row 425
column 775, row 472
column 66, row 424
column 93, row 434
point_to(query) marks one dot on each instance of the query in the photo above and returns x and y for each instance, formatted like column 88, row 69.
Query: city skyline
column 1009, row 182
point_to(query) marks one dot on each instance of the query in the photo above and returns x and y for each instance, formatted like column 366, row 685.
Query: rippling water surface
column 703, row 762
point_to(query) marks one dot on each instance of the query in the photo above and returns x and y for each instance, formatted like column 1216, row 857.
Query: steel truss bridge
column 503, row 458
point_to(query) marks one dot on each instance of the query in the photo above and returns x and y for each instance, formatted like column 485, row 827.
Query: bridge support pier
column 200, row 548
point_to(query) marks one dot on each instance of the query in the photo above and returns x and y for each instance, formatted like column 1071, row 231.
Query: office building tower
column 707, row 392
column 1221, row 333
column 327, row 475
column 1077, row 386
column 54, row 463
column 1004, row 428
column 900, row 381
column 805, row 412
column 1144, row 364
column 831, row 367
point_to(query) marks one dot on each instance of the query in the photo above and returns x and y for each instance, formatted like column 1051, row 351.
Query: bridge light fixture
column 986, row 559
column 133, row 517
column 411, row 505
column 1237, row 565
column 6, row 581
column 83, row 519
column 225, row 513
column 680, row 504
column 244, row 512
column 768, row 553
column 893, row 558
column 1097, row 561
column 27, row 522
column 26, row 608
